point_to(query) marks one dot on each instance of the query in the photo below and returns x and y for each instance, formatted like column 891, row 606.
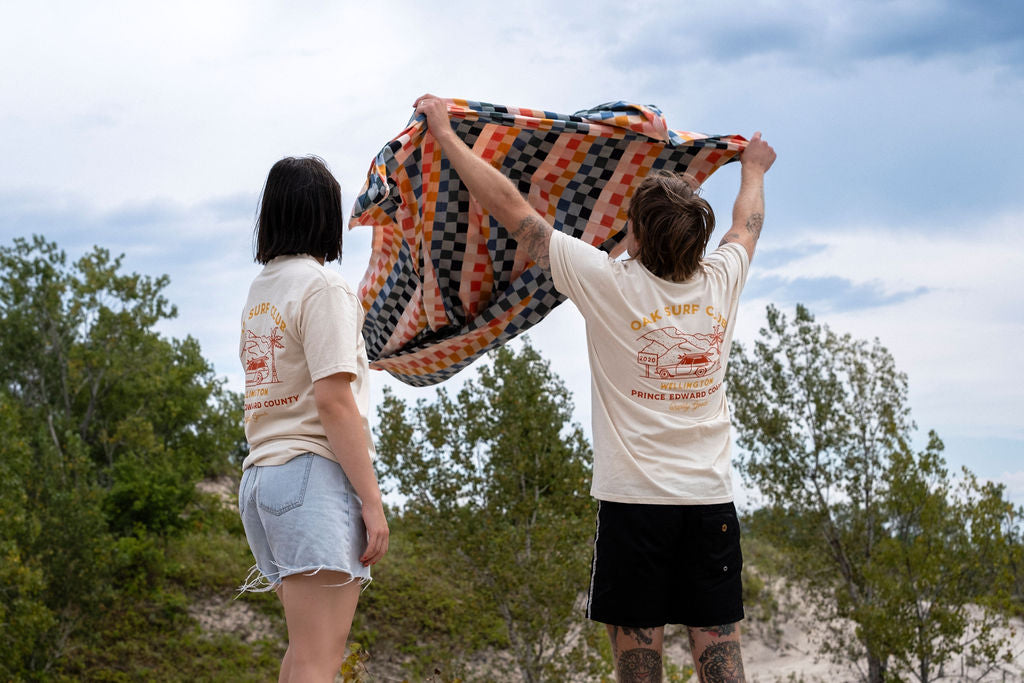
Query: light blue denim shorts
column 301, row 517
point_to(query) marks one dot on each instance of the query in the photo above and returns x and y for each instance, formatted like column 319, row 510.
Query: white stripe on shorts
column 593, row 565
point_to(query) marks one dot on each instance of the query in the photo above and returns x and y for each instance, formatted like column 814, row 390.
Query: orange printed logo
column 260, row 357
column 670, row 353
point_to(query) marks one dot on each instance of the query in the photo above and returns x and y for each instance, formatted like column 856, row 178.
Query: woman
column 309, row 497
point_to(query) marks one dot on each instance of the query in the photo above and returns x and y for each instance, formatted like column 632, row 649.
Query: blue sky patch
column 826, row 294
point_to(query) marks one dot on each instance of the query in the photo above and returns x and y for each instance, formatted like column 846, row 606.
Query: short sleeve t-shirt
column 301, row 323
column 658, row 355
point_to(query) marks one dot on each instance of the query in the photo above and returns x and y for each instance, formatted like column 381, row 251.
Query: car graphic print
column 260, row 359
column 669, row 352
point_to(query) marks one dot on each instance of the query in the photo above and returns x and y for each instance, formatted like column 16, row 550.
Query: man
column 659, row 327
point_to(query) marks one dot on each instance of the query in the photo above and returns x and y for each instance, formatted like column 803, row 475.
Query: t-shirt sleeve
column 331, row 321
column 578, row 270
column 731, row 265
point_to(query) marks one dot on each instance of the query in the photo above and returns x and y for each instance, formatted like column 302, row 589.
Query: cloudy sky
column 895, row 209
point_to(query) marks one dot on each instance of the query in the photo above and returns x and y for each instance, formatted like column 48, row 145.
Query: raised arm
column 748, row 211
column 489, row 186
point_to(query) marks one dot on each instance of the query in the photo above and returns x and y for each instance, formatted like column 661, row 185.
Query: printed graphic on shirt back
column 260, row 357
column 668, row 353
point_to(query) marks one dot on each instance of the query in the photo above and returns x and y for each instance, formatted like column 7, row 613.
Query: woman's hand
column 377, row 533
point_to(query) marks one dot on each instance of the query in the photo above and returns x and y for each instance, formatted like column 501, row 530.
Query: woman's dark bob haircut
column 300, row 211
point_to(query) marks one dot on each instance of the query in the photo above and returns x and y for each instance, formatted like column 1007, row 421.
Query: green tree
column 882, row 535
column 498, row 480
column 31, row 623
column 948, row 548
column 107, row 425
column 79, row 349
column 1017, row 534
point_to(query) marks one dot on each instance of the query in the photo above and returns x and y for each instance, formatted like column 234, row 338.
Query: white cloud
column 959, row 342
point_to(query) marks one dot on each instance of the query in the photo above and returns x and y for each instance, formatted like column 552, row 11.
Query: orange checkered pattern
column 445, row 281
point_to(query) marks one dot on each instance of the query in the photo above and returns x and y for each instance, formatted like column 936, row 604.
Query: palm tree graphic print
column 669, row 353
column 260, row 357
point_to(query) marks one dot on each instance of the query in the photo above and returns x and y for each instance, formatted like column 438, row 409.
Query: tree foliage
column 80, row 352
column 105, row 426
column 921, row 562
column 497, row 480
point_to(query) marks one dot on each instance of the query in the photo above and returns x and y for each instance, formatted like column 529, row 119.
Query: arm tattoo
column 533, row 234
column 640, row 664
column 721, row 663
column 754, row 224
column 731, row 236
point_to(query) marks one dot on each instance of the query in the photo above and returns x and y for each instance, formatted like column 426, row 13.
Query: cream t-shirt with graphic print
column 658, row 354
column 301, row 323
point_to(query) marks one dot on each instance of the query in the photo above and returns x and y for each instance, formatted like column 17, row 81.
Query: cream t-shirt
column 301, row 323
column 658, row 353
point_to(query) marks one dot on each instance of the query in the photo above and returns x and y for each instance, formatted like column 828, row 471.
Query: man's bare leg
column 637, row 652
column 716, row 653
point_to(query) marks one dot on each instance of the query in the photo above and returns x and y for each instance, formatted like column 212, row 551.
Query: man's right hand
column 758, row 154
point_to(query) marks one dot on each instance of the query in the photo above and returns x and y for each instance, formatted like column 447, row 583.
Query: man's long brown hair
column 671, row 226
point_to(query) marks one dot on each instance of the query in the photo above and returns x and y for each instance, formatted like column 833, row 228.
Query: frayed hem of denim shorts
column 258, row 582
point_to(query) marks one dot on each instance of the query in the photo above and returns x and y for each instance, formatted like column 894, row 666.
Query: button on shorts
column 666, row 564
column 301, row 517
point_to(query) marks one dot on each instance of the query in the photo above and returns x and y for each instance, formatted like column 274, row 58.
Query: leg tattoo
column 637, row 652
column 721, row 663
column 640, row 664
column 720, row 631
column 640, row 635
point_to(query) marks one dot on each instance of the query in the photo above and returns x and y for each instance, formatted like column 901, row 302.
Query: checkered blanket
column 445, row 281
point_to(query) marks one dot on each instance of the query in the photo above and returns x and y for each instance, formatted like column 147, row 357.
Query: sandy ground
column 782, row 650
column 222, row 614
column 786, row 649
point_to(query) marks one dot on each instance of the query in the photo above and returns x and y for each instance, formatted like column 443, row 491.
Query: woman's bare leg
column 319, row 613
column 284, row 675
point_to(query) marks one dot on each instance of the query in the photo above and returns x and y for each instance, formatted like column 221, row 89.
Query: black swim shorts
column 666, row 564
